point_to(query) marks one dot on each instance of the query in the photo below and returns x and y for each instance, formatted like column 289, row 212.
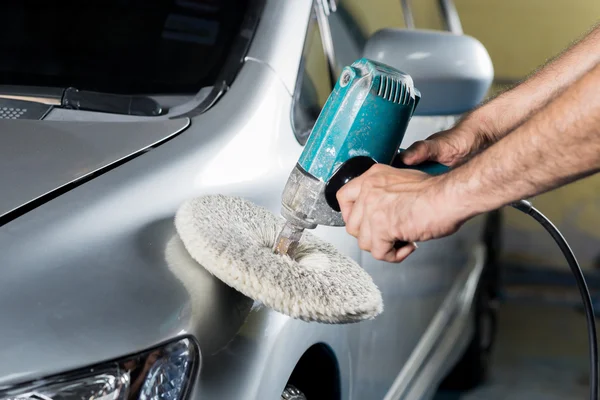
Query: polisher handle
column 429, row 167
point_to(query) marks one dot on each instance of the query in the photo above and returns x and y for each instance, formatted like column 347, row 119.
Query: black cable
column 528, row 209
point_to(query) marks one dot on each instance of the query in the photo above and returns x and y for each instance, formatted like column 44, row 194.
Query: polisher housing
column 362, row 123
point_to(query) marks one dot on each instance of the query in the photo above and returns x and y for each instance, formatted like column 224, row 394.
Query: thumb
column 420, row 151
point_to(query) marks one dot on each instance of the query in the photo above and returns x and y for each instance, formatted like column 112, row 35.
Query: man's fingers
column 416, row 153
column 403, row 252
column 422, row 150
column 355, row 217
column 346, row 209
column 365, row 236
column 385, row 251
column 382, row 249
column 347, row 196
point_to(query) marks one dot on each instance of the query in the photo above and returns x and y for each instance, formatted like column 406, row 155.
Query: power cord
column 528, row 209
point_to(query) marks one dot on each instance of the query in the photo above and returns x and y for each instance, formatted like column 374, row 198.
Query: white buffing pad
column 233, row 239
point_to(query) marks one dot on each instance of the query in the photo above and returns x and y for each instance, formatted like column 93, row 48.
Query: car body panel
column 44, row 156
column 85, row 254
column 279, row 38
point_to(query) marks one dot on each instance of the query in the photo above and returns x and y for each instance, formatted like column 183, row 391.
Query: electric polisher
column 272, row 260
column 362, row 123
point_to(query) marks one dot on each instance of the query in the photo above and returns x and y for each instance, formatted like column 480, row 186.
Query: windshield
column 117, row 46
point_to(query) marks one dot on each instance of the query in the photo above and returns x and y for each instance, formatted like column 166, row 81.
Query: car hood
column 98, row 273
column 40, row 159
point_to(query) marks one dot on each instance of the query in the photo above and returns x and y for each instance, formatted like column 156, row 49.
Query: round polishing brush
column 233, row 239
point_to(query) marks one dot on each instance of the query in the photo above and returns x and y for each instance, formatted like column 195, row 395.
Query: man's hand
column 506, row 112
column 454, row 146
column 386, row 204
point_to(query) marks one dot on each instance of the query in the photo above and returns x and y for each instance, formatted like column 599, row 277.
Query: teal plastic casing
column 366, row 114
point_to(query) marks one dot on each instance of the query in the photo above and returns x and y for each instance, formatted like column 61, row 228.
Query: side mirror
column 452, row 72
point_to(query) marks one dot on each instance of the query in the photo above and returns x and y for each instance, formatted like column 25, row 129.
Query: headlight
column 160, row 374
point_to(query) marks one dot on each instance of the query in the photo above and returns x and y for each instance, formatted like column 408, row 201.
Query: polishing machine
column 362, row 123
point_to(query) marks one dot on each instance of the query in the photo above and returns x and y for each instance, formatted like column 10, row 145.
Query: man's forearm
column 559, row 144
column 508, row 110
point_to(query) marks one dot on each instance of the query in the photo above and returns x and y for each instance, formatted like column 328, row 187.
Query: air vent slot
column 21, row 109
column 394, row 90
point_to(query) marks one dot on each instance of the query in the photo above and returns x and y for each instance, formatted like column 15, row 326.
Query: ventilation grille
column 21, row 109
column 11, row 112
column 393, row 90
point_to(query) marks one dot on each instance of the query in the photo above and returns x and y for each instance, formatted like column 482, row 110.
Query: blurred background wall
column 520, row 36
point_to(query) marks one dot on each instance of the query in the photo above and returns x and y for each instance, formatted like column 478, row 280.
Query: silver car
column 114, row 115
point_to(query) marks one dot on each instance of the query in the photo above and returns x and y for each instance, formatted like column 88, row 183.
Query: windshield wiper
column 37, row 102
column 76, row 99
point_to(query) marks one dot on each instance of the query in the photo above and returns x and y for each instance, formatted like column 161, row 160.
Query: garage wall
column 520, row 36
